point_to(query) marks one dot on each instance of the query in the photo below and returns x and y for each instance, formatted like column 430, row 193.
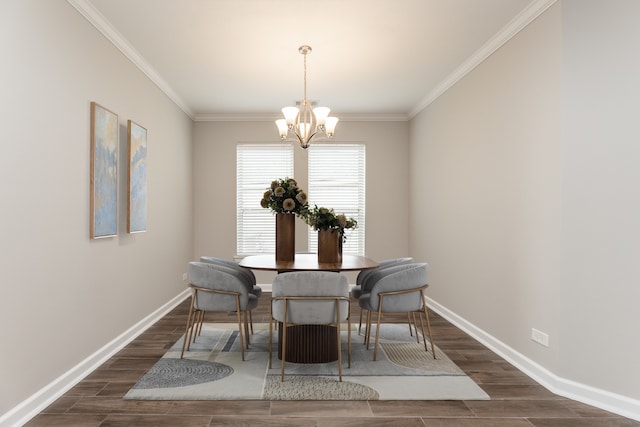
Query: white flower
column 288, row 204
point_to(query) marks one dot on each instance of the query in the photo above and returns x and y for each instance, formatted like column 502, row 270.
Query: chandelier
column 305, row 123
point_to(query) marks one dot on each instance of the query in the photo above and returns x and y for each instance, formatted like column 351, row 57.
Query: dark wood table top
column 307, row 262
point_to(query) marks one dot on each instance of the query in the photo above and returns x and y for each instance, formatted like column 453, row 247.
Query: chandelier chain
column 304, row 100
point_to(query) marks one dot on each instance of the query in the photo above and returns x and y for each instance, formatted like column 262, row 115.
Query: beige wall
column 65, row 296
column 601, row 198
column 386, row 187
column 524, row 194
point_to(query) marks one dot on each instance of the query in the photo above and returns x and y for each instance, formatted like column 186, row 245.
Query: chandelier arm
column 311, row 136
column 304, row 144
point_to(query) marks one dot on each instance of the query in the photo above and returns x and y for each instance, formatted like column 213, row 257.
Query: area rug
column 213, row 370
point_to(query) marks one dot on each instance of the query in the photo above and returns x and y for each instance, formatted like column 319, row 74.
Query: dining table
column 308, row 343
column 307, row 262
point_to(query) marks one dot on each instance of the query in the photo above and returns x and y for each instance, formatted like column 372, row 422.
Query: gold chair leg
column 246, row 329
column 202, row 313
column 409, row 322
column 193, row 331
column 349, row 336
column 367, row 332
column 339, row 340
column 426, row 316
column 375, row 347
column 193, row 320
column 198, row 321
column 284, row 339
column 270, row 331
column 187, row 328
column 251, row 322
column 422, row 329
column 415, row 325
column 360, row 323
column 239, row 314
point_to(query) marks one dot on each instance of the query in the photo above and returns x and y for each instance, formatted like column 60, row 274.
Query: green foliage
column 326, row 218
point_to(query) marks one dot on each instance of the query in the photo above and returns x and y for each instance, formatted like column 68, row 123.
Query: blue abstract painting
column 104, row 172
column 137, row 212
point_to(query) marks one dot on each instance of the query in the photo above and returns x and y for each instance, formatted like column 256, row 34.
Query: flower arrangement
column 284, row 196
column 326, row 218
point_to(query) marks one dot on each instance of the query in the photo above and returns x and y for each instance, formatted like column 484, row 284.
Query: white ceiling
column 224, row 58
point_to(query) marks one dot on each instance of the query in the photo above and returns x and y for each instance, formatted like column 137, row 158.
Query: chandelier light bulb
column 330, row 126
column 283, row 129
column 321, row 114
column 290, row 115
column 303, row 130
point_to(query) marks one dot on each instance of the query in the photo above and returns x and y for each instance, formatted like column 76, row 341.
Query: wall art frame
column 137, row 178
column 104, row 172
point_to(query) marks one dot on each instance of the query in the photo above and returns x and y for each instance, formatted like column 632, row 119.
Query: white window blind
column 256, row 166
column 337, row 180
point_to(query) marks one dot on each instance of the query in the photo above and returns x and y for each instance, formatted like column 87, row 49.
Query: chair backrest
column 248, row 275
column 218, row 277
column 397, row 278
column 362, row 276
column 311, row 284
column 377, row 273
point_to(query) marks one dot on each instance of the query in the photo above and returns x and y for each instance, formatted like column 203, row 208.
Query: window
column 256, row 166
column 337, row 180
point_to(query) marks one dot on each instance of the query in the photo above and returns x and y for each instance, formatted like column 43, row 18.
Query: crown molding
column 239, row 117
column 531, row 12
column 523, row 19
column 89, row 12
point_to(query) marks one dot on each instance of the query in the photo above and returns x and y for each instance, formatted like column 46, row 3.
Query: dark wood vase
column 329, row 246
column 285, row 236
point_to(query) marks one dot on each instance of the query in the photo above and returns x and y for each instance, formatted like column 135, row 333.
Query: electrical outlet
column 540, row 337
column 184, row 277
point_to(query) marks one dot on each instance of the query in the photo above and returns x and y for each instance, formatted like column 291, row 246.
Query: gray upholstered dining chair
column 216, row 289
column 310, row 298
column 398, row 289
column 364, row 282
column 245, row 274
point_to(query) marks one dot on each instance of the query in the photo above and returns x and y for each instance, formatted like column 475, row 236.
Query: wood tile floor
column 516, row 400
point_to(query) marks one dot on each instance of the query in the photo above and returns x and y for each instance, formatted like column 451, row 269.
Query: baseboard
column 32, row 406
column 612, row 402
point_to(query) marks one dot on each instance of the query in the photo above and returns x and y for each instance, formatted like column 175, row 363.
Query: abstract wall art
column 137, row 188
column 104, row 172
